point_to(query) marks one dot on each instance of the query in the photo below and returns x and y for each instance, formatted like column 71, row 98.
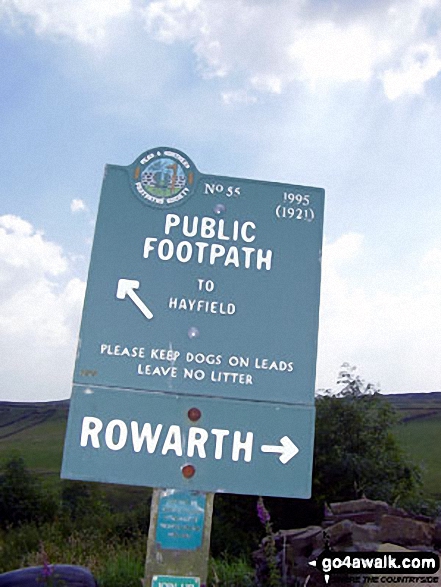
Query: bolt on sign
column 196, row 359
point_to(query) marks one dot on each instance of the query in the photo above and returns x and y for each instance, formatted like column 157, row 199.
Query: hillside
column 413, row 406
column 35, row 430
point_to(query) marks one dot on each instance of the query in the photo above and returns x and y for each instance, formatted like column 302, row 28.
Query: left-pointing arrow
column 286, row 448
column 125, row 288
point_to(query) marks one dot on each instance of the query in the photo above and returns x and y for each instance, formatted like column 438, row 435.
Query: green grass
column 36, row 432
column 421, row 439
column 113, row 562
column 41, row 446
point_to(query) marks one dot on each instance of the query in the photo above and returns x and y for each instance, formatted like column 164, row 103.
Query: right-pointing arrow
column 286, row 448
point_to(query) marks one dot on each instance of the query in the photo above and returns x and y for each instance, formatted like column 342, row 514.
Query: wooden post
column 178, row 543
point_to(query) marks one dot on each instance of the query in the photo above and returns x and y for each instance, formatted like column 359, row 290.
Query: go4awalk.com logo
column 376, row 567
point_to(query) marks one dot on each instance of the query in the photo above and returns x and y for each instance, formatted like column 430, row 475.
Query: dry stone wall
column 361, row 525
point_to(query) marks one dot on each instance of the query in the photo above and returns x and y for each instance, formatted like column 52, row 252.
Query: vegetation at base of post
column 227, row 571
column 105, row 528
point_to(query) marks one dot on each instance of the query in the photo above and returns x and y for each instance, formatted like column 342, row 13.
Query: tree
column 356, row 452
column 22, row 497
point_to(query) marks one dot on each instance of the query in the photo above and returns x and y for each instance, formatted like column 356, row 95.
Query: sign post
column 179, row 538
column 196, row 360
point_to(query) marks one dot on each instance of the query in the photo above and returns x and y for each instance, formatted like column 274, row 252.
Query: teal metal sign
column 169, row 581
column 123, row 436
column 204, row 287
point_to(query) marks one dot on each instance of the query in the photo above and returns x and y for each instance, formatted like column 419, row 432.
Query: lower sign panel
column 168, row 581
column 192, row 443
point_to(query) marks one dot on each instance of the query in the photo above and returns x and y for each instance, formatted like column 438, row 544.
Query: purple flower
column 47, row 569
column 262, row 512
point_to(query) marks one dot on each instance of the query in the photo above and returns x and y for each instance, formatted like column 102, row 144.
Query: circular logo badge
column 163, row 177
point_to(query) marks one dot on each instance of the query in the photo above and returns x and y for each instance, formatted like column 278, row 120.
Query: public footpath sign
column 196, row 360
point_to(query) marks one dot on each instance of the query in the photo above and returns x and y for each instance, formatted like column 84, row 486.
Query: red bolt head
column 194, row 414
column 188, row 471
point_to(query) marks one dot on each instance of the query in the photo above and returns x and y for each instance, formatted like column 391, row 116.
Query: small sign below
column 180, row 520
column 169, row 581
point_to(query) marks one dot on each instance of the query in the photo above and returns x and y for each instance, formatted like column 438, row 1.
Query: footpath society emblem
column 163, row 177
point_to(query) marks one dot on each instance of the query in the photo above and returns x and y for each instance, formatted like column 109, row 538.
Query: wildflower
column 262, row 513
column 270, row 550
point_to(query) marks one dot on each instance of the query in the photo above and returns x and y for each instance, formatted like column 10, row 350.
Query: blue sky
column 335, row 94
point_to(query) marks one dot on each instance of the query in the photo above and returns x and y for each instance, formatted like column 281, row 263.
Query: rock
column 300, row 542
column 356, row 505
column 358, row 517
column 365, row 533
column 437, row 532
column 340, row 534
column 362, row 511
column 366, row 546
column 405, row 531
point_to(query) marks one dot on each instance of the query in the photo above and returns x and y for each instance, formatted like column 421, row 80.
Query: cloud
column 84, row 21
column 78, row 205
column 40, row 306
column 390, row 331
column 267, row 46
column 238, row 97
column 419, row 65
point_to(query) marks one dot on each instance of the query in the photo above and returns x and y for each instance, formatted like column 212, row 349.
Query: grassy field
column 36, row 431
column 421, row 438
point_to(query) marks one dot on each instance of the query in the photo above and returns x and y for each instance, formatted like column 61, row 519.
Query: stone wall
column 361, row 525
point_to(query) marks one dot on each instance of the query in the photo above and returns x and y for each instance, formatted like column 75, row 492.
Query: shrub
column 356, row 452
column 22, row 496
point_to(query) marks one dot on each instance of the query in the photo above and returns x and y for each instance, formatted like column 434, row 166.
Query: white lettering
column 171, row 220
column 122, row 434
column 197, row 437
column 162, row 244
column 264, row 260
column 173, row 441
column 87, row 431
column 248, row 251
column 243, row 232
column 246, row 446
column 148, row 247
column 184, row 258
column 151, row 440
column 207, row 227
column 185, row 226
column 216, row 252
column 220, row 435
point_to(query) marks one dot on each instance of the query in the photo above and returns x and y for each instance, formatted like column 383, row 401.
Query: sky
column 337, row 94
